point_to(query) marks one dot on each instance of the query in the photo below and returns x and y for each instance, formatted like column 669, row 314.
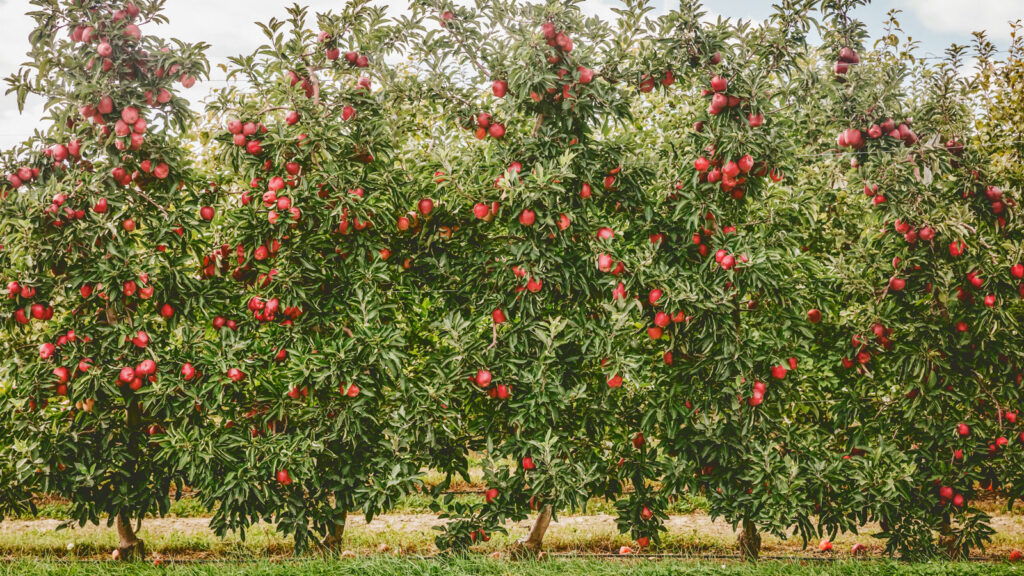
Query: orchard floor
column 495, row 567
column 398, row 536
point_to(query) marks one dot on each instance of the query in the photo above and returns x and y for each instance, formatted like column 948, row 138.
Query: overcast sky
column 227, row 26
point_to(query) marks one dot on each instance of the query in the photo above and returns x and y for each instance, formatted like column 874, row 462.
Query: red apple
column 527, row 217
column 425, row 206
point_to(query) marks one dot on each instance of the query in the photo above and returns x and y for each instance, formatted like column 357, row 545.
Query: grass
column 189, row 507
column 412, row 535
column 495, row 567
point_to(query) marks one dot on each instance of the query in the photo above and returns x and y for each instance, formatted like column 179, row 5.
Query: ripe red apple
column 528, row 463
column 639, row 440
column 498, row 315
column 585, row 191
column 731, row 169
column 425, row 206
column 483, row 378
column 283, row 477
column 814, row 315
column 1017, row 271
column 126, row 375
column 719, row 102
column 563, row 41
column 146, row 368
column 778, row 372
column 490, row 495
column 654, row 296
column 897, row 284
column 615, row 381
column 719, row 84
column 527, row 217
column 47, row 350
column 962, row 429
column 499, row 88
column 496, row 130
column 662, row 320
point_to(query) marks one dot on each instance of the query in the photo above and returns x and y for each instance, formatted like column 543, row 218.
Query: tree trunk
column 533, row 541
column 334, row 538
column 947, row 540
column 129, row 547
column 749, row 541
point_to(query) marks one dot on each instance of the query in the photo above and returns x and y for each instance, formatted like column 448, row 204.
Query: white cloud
column 965, row 16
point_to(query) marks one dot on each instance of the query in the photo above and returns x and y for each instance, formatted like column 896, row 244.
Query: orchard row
column 629, row 259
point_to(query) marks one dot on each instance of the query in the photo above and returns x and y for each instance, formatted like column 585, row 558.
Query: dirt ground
column 689, row 534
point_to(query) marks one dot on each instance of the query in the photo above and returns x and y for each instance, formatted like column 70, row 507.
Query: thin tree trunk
column 334, row 538
column 533, row 541
column 947, row 540
column 129, row 547
column 749, row 541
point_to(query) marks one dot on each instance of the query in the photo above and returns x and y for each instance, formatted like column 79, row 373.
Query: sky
column 228, row 26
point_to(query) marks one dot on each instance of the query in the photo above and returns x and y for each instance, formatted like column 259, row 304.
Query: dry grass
column 412, row 534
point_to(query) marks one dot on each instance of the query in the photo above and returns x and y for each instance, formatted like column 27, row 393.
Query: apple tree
column 930, row 285
column 735, row 305
column 310, row 415
column 535, row 181
column 100, row 227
